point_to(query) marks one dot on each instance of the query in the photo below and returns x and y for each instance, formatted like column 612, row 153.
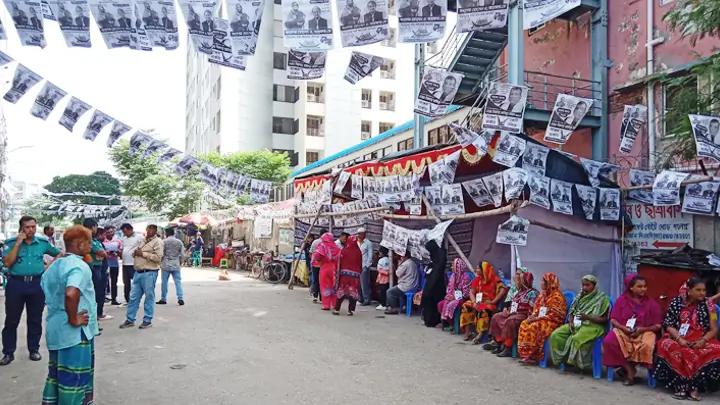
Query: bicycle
column 259, row 261
column 275, row 272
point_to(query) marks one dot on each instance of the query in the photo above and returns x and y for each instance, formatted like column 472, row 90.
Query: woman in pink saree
column 326, row 257
column 458, row 290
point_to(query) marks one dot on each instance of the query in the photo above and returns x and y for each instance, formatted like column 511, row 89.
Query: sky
column 142, row 89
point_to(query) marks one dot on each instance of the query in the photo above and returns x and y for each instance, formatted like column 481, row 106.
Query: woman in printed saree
column 548, row 313
column 504, row 325
column 326, row 257
column 71, row 323
column 458, row 290
column 349, row 276
column 635, row 320
column 486, row 292
column 688, row 354
column 572, row 343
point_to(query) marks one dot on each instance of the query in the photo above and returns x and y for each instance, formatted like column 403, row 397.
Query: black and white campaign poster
column 5, row 59
column 633, row 123
column 46, row 11
column 509, row 149
column 706, row 130
column 245, row 18
column 399, row 244
column 362, row 22
column 539, row 191
column 464, row 135
column 561, row 196
column 388, row 234
column 609, row 204
column 73, row 16
column 588, row 198
column 307, row 25
column 700, row 198
column 356, row 186
column 514, row 231
column 361, row 65
column 23, row 80
column 74, row 109
column 442, row 171
column 169, row 154
column 305, row 65
column 437, row 233
column 480, row 15
column 137, row 141
column 482, row 142
column 566, row 116
column 118, row 130
column 28, row 19
column 666, row 189
column 434, row 196
column 139, row 39
column 114, row 19
column 478, row 192
column 342, row 180
column 452, row 198
column 200, row 18
column 514, row 180
column 641, row 178
column 437, row 91
column 494, row 186
column 98, row 121
column 421, row 20
column 505, row 107
column 535, row 158
column 153, row 147
column 209, row 174
column 186, row 164
column 159, row 20
column 223, row 53
column 597, row 171
column 538, row 12
column 46, row 100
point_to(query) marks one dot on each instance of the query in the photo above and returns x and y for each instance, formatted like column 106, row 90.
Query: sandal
column 694, row 396
column 350, row 313
column 469, row 337
column 334, row 312
column 477, row 340
column 681, row 396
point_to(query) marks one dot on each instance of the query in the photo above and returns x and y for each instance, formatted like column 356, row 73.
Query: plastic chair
column 196, row 258
column 650, row 380
column 224, row 263
column 410, row 294
column 596, row 355
column 458, row 310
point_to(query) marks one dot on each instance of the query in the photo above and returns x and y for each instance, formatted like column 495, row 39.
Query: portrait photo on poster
column 481, row 15
column 421, row 21
column 567, row 114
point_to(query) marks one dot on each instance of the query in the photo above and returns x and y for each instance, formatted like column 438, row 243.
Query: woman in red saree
column 349, row 277
column 326, row 257
column 486, row 291
column 688, row 355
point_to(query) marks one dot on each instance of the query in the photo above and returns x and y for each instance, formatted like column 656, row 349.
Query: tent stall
column 569, row 245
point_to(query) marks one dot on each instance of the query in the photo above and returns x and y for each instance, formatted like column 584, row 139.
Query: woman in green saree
column 572, row 343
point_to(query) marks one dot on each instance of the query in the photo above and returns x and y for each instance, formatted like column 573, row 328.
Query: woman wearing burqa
column 434, row 290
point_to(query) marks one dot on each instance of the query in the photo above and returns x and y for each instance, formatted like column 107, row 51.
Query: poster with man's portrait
column 362, row 65
column 666, row 189
column 73, row 16
column 505, row 107
column 305, row 65
column 561, row 196
column 706, row 130
column 633, row 123
column 362, row 22
column 539, row 191
column 481, row 15
column 437, row 92
column 609, row 204
column 46, row 100
column 421, row 20
column 307, row 25
column 566, row 116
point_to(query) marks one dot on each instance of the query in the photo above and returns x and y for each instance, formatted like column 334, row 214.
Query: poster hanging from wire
column 566, row 116
column 200, row 18
column 633, row 123
column 362, row 22
column 113, row 18
column 305, row 65
column 362, row 65
column 505, row 107
column 28, row 19
column 421, row 24
column 23, row 80
column 307, row 25
column 245, row 19
column 74, row 109
column 706, row 130
column 437, row 91
column 223, row 53
column 480, row 15
column 538, row 12
column 73, row 18
column 46, row 100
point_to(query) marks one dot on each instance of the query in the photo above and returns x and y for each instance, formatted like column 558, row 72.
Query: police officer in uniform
column 23, row 256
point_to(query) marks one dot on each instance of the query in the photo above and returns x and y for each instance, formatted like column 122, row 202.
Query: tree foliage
column 261, row 165
column 695, row 19
column 98, row 182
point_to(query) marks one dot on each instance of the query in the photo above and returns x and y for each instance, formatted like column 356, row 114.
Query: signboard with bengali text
column 657, row 228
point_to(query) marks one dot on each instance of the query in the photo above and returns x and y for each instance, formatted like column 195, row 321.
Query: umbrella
column 198, row 219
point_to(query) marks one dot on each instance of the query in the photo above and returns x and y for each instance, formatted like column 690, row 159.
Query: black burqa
column 434, row 290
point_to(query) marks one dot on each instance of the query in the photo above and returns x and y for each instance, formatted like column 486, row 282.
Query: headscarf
column 552, row 298
column 552, row 282
column 459, row 280
column 525, row 295
column 327, row 247
column 513, row 287
column 490, row 279
column 645, row 310
column 595, row 302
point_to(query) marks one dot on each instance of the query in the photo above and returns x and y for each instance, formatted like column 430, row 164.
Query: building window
column 390, row 41
column 439, row 136
column 386, row 151
column 366, row 98
column 674, row 97
column 387, row 69
column 277, row 2
column 405, row 145
column 387, row 101
column 283, row 125
column 315, row 92
column 285, row 94
column 365, row 130
column 386, row 126
column 315, row 125
column 279, row 60
column 311, row 157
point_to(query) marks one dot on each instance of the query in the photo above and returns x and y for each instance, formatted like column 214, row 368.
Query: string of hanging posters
column 50, row 95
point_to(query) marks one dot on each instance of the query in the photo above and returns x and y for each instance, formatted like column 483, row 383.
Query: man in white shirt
column 366, row 248
column 130, row 242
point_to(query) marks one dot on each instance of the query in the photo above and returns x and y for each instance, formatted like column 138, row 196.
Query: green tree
column 98, row 182
column 261, row 165
column 693, row 19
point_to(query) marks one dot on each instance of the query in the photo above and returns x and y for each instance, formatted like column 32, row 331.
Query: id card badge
column 577, row 322
column 458, row 294
column 684, row 328
column 543, row 312
column 513, row 307
column 630, row 324
column 478, row 298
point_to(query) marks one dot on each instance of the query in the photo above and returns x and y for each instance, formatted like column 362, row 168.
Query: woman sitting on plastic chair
column 458, row 290
column 547, row 314
column 504, row 325
column 486, row 292
column 572, row 343
column 636, row 320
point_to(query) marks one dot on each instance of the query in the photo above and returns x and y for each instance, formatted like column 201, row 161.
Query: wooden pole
column 335, row 214
column 449, row 237
column 296, row 261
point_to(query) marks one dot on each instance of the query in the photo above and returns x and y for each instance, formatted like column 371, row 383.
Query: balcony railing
column 316, row 131
column 545, row 87
column 387, row 106
column 315, row 98
column 387, row 74
column 366, row 104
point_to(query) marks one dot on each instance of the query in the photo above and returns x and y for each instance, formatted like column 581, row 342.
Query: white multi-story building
column 259, row 108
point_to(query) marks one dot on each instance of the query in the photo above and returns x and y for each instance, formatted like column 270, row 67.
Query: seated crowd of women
column 681, row 349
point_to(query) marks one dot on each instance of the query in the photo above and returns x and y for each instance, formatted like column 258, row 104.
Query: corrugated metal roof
column 385, row 135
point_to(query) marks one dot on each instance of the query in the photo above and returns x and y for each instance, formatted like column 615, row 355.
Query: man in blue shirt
column 23, row 256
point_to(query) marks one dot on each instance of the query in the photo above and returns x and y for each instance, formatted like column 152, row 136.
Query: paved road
column 245, row 342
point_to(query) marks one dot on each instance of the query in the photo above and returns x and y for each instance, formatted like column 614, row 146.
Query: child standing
column 383, row 277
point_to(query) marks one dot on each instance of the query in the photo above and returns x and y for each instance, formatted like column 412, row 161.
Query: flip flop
column 680, row 396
